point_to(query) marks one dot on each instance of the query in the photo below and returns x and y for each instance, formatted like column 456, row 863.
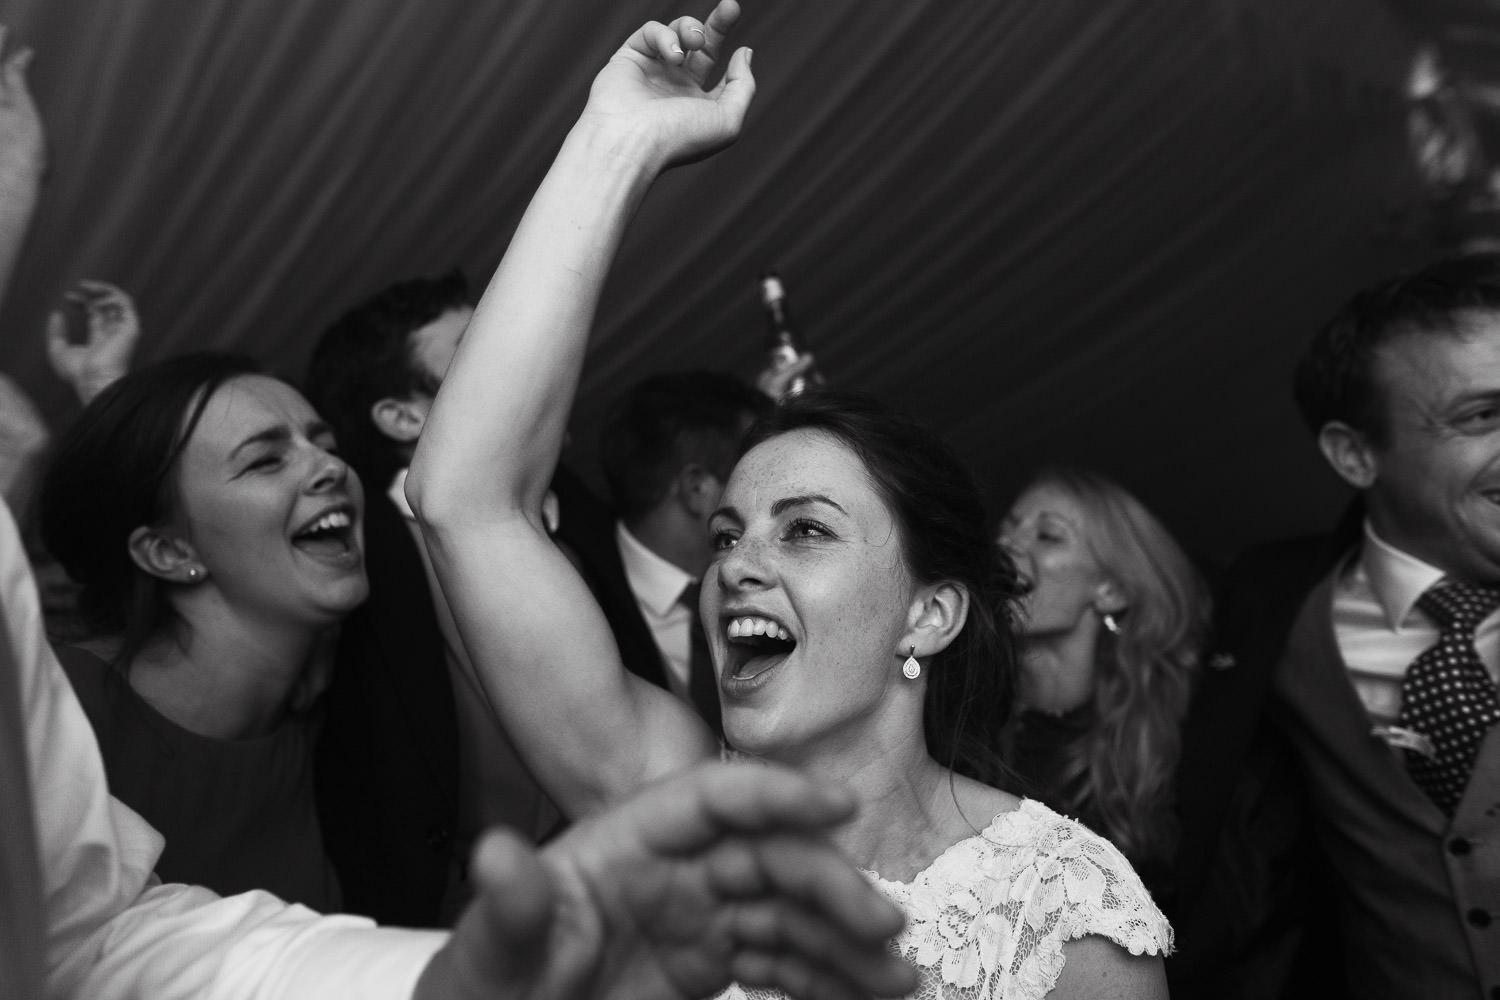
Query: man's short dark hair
column 668, row 421
column 1335, row 379
column 367, row 355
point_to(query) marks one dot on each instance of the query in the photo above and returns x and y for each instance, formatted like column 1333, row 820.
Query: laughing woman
column 852, row 611
column 215, row 536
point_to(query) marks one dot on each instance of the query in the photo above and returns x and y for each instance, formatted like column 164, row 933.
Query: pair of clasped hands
column 722, row 873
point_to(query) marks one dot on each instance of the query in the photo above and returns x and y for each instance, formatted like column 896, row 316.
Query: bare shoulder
column 1095, row 968
column 980, row 803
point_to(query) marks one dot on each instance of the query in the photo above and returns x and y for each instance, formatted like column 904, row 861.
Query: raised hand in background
column 113, row 331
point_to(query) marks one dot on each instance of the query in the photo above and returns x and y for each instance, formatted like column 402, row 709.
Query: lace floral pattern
column 989, row 917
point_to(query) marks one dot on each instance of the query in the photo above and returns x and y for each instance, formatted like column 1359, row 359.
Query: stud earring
column 1110, row 623
column 911, row 669
column 193, row 574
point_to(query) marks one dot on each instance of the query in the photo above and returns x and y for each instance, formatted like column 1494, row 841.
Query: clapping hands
column 720, row 873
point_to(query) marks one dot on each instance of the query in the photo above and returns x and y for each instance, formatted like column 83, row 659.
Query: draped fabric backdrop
column 1061, row 230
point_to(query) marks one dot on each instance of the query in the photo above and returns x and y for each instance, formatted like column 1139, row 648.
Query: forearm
column 181, row 941
column 19, row 190
column 497, row 426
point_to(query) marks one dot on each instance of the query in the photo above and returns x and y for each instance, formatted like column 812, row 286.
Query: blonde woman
column 1110, row 629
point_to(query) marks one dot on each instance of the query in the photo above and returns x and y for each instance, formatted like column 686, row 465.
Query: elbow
column 431, row 494
column 444, row 493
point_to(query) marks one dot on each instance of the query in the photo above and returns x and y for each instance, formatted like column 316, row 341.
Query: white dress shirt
column 113, row 931
column 657, row 585
column 1380, row 629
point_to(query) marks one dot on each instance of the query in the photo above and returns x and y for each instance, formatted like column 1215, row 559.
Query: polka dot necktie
column 1447, row 696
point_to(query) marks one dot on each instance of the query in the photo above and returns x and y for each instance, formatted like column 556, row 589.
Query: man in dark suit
column 667, row 449
column 414, row 761
column 1340, row 785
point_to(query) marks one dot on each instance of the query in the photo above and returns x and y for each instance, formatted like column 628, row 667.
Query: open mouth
column 756, row 645
column 328, row 536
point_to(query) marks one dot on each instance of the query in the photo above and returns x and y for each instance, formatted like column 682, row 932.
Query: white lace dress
column 988, row 918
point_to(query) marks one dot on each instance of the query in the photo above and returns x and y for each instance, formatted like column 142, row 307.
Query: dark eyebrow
column 271, row 435
column 786, row 503
column 1476, row 396
column 729, row 512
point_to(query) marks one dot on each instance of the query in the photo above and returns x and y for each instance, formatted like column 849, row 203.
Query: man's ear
column 1350, row 453
column 937, row 616
column 401, row 420
column 162, row 554
column 699, row 490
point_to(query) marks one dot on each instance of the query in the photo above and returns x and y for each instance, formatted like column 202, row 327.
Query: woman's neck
column 221, row 677
column 1057, row 672
column 911, row 808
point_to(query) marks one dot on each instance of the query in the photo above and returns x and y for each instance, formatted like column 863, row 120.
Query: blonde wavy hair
column 1122, row 769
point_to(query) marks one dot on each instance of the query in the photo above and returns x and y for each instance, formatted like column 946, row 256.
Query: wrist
column 612, row 145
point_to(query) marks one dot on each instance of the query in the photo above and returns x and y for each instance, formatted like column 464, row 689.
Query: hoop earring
column 1110, row 623
column 911, row 669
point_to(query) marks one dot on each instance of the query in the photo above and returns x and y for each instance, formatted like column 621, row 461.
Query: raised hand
column 655, row 88
column 23, row 158
column 113, row 331
column 22, row 137
column 774, row 380
column 717, row 874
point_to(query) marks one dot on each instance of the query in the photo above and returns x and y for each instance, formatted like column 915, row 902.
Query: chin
column 342, row 598
column 745, row 736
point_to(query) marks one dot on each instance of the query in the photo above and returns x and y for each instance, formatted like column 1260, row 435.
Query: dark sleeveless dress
column 236, row 814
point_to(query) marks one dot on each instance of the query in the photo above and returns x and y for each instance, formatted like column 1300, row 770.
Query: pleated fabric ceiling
column 1061, row 230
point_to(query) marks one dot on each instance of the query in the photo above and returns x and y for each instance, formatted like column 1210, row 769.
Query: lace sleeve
column 990, row 919
column 987, row 920
column 1083, row 885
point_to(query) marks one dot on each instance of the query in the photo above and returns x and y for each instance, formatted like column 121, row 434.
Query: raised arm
column 589, row 730
column 23, row 158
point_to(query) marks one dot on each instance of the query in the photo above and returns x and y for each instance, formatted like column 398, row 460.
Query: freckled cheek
column 874, row 606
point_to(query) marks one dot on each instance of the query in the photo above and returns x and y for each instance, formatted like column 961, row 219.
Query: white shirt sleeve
column 112, row 930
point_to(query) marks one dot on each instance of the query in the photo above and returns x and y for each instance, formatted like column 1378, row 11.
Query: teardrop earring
column 911, row 669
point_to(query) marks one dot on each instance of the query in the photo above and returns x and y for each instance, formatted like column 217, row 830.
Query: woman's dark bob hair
column 945, row 536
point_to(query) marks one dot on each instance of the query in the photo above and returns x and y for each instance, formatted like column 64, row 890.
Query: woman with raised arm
column 855, row 610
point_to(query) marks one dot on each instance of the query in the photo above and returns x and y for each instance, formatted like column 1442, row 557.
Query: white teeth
column 741, row 627
column 333, row 519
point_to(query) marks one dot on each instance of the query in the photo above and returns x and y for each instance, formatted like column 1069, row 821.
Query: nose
column 743, row 566
column 1009, row 544
column 329, row 473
